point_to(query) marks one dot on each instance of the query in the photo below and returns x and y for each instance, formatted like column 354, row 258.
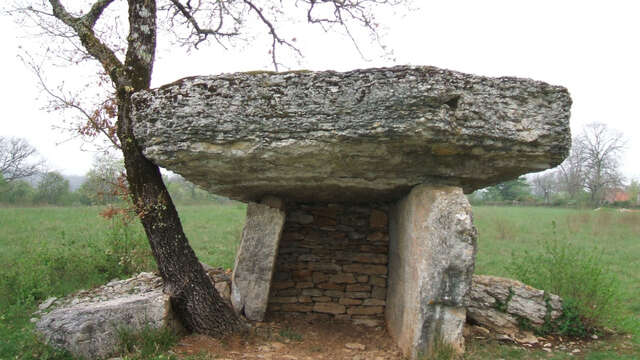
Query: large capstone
column 363, row 135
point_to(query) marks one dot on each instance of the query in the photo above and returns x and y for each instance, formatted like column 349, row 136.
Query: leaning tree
column 94, row 33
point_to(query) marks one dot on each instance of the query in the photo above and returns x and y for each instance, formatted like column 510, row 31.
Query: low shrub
column 575, row 273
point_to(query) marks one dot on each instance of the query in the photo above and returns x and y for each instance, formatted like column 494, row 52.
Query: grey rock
column 88, row 323
column 224, row 289
column 431, row 261
column 255, row 260
column 365, row 134
column 498, row 303
column 47, row 303
column 355, row 346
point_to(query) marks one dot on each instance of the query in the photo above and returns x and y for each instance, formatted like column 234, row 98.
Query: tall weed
column 128, row 251
column 577, row 274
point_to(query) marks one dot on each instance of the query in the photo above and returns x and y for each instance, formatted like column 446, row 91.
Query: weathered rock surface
column 360, row 135
column 500, row 304
column 88, row 322
column 256, row 258
column 431, row 262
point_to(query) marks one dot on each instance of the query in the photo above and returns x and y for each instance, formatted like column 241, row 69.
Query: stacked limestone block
column 333, row 260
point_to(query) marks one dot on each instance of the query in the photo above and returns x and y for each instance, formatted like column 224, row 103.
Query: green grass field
column 615, row 236
column 54, row 251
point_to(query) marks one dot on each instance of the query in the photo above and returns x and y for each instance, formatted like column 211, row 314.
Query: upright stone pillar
column 255, row 260
column 431, row 260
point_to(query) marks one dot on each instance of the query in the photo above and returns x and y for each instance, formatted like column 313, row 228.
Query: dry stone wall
column 333, row 260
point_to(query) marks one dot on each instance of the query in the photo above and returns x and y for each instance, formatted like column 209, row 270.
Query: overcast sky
column 590, row 47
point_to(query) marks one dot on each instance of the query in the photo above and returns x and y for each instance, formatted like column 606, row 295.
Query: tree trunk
column 193, row 297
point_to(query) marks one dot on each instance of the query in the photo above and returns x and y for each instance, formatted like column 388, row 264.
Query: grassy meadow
column 54, row 251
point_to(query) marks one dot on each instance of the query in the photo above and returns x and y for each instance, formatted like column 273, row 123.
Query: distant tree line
column 24, row 181
column 590, row 176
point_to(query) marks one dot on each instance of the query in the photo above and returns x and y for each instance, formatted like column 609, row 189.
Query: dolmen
column 355, row 182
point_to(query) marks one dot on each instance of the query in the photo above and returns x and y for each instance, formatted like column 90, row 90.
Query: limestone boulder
column 431, row 260
column 501, row 305
column 88, row 323
column 365, row 134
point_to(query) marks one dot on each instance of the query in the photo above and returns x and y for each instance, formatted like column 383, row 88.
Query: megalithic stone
column 256, row 257
column 414, row 136
column 368, row 134
column 432, row 252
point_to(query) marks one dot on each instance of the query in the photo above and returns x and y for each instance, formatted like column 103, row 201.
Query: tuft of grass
column 288, row 333
column 148, row 343
column 440, row 350
column 317, row 348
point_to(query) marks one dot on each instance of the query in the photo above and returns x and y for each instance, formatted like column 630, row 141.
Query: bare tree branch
column 203, row 33
column 64, row 102
column 90, row 41
column 346, row 10
column 96, row 10
column 276, row 39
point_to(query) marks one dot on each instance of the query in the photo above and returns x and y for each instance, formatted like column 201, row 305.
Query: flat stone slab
column 360, row 135
column 256, row 258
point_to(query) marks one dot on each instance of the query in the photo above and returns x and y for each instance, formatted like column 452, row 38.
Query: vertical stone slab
column 255, row 261
column 431, row 260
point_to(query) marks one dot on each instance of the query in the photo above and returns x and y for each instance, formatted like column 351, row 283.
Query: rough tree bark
column 195, row 300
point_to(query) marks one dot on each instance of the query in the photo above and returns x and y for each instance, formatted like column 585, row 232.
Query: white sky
column 590, row 47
